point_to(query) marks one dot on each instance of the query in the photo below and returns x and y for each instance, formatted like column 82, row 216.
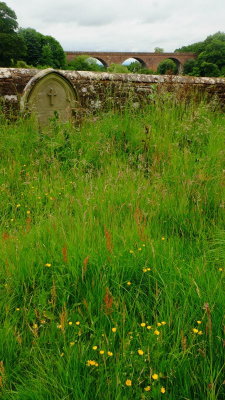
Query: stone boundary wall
column 100, row 90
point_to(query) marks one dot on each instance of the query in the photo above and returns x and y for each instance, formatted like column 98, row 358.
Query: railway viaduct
column 148, row 60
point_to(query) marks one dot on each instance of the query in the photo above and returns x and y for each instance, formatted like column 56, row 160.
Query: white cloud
column 122, row 25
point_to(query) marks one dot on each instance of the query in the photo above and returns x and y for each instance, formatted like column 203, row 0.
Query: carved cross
column 51, row 93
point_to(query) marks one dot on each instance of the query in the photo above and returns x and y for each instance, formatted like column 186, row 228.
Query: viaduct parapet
column 148, row 60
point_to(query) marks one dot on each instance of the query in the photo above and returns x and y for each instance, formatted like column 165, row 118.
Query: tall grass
column 112, row 237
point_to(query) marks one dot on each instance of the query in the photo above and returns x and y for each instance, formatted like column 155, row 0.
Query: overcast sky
column 122, row 25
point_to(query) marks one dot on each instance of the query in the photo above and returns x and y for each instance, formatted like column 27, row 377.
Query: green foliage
column 158, row 50
column 211, row 56
column 209, row 69
column 12, row 47
column 113, row 224
column 167, row 66
column 21, row 64
column 57, row 53
column 118, row 69
column 8, row 19
column 135, row 67
column 84, row 63
column 42, row 50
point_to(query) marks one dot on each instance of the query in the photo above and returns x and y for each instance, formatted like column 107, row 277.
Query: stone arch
column 99, row 59
column 49, row 94
column 136, row 59
column 178, row 64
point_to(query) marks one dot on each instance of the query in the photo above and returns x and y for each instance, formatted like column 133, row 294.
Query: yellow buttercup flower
column 199, row 322
column 155, row 377
column 110, row 354
column 128, row 283
column 101, row 352
column 77, row 322
column 128, row 382
column 143, row 324
column 94, row 347
column 140, row 352
column 163, row 390
column 156, row 332
column 90, row 363
column 163, row 323
column 159, row 324
column 113, row 330
column 48, row 265
column 195, row 330
column 147, row 388
column 70, row 323
column 200, row 333
column 149, row 327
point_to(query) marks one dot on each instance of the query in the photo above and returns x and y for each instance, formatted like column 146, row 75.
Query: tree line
column 27, row 48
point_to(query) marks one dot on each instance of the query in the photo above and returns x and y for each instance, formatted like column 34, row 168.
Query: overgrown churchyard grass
column 112, row 256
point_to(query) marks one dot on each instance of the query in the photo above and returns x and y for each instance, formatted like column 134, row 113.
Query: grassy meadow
column 112, row 256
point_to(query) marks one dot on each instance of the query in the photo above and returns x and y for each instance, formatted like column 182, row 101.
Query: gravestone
column 51, row 95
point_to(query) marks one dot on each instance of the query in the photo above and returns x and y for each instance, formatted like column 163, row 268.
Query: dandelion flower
column 114, row 330
column 59, row 326
column 159, row 324
column 147, row 388
column 18, row 205
column 163, row 390
column 199, row 322
column 163, row 238
column 155, row 377
column 194, row 330
column 156, row 332
column 140, row 352
column 131, row 252
column 128, row 382
column 72, row 344
column 77, row 322
column 149, row 327
column 101, row 352
column 110, row 354
column 28, row 212
column 128, row 283
column 35, row 326
column 163, row 323
column 200, row 333
column 143, row 245
column 94, row 347
column 70, row 323
column 139, row 249
column 48, row 265
column 220, row 269
column 143, row 324
column 17, row 309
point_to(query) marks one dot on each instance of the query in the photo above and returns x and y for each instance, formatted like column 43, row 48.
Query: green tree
column 167, row 66
column 8, row 19
column 158, row 50
column 58, row 54
column 34, row 42
column 118, row 69
column 210, row 56
column 42, row 50
column 135, row 67
column 209, row 69
column 46, row 56
column 84, row 63
column 12, row 47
